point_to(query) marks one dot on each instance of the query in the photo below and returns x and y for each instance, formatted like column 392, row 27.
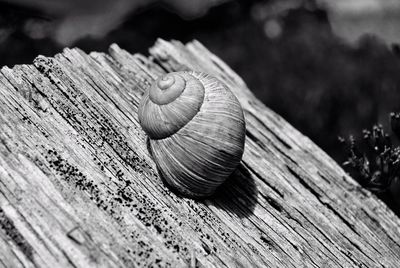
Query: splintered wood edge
column 78, row 187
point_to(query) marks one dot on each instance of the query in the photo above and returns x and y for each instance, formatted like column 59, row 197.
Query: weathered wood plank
column 78, row 187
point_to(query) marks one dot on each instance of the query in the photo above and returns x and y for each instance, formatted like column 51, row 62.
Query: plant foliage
column 375, row 161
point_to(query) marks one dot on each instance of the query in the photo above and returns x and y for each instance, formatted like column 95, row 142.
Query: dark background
column 330, row 70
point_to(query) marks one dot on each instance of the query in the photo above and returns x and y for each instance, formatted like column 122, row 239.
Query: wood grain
column 79, row 189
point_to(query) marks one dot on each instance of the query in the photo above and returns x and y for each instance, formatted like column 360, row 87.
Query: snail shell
column 196, row 131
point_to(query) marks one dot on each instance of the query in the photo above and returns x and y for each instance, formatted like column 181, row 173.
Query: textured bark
column 79, row 189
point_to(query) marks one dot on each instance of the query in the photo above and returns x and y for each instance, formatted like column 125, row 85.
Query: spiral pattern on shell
column 196, row 129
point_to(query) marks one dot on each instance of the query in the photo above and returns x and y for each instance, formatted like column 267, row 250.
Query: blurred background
column 331, row 68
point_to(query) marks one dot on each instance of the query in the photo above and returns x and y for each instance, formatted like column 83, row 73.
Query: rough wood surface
column 79, row 189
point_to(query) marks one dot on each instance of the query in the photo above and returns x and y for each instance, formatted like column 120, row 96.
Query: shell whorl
column 170, row 103
column 167, row 88
column 197, row 153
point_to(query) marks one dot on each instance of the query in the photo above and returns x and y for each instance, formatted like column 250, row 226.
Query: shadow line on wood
column 238, row 194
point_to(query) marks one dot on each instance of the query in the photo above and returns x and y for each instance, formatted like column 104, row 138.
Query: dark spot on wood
column 270, row 244
column 206, row 248
column 12, row 233
column 274, row 203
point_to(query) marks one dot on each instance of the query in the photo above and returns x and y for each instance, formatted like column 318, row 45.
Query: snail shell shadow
column 237, row 195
